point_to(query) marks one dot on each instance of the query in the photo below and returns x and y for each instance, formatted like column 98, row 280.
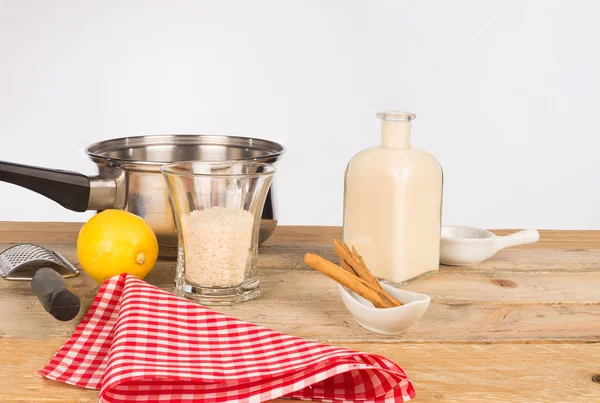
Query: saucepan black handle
column 69, row 189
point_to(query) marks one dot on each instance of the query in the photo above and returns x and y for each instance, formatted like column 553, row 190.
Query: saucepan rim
column 99, row 149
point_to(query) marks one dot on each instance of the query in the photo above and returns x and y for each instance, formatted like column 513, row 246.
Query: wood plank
column 19, row 382
column 442, row 323
column 549, row 239
column 466, row 307
column 560, row 239
column 490, row 284
column 285, row 256
column 511, row 287
column 277, row 257
column 537, row 260
column 498, row 373
column 448, row 373
column 512, row 259
column 14, row 231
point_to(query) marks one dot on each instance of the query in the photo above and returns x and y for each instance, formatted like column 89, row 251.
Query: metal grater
column 20, row 262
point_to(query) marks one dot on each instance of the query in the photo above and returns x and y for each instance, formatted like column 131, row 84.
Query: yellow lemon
column 114, row 242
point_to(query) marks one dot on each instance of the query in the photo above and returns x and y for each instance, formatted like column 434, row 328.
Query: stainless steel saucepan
column 129, row 177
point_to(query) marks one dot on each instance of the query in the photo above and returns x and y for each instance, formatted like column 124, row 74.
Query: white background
column 506, row 94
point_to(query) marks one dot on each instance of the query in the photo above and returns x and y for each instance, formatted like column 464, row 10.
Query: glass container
column 217, row 208
column 393, row 204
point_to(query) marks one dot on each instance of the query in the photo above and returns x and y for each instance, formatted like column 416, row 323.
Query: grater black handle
column 69, row 189
column 49, row 287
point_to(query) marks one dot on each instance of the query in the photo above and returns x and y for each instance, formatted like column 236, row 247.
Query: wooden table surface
column 522, row 327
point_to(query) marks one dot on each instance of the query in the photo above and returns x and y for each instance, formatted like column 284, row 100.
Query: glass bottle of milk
column 392, row 204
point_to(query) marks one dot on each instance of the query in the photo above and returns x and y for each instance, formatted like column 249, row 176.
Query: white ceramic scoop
column 463, row 246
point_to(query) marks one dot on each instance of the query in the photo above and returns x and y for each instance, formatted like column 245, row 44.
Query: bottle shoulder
column 397, row 157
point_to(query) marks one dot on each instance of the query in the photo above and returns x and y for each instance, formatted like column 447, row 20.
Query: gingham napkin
column 138, row 343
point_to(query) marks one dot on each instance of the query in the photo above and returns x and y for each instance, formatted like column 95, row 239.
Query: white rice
column 217, row 244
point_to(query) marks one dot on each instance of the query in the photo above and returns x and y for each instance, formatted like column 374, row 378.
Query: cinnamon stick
column 357, row 263
column 359, row 257
column 344, row 252
column 346, row 279
column 347, row 267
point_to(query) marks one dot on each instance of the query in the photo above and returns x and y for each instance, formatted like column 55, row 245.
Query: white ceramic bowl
column 386, row 320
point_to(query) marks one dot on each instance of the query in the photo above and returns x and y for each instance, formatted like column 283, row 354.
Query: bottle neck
column 395, row 134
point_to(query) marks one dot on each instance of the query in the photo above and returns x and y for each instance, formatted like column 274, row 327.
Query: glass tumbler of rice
column 217, row 208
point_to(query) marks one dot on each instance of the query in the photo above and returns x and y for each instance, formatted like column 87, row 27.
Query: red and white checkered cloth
column 138, row 343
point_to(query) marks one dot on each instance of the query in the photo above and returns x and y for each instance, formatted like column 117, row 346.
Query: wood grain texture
column 523, row 326
column 549, row 312
column 441, row 373
column 15, row 231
